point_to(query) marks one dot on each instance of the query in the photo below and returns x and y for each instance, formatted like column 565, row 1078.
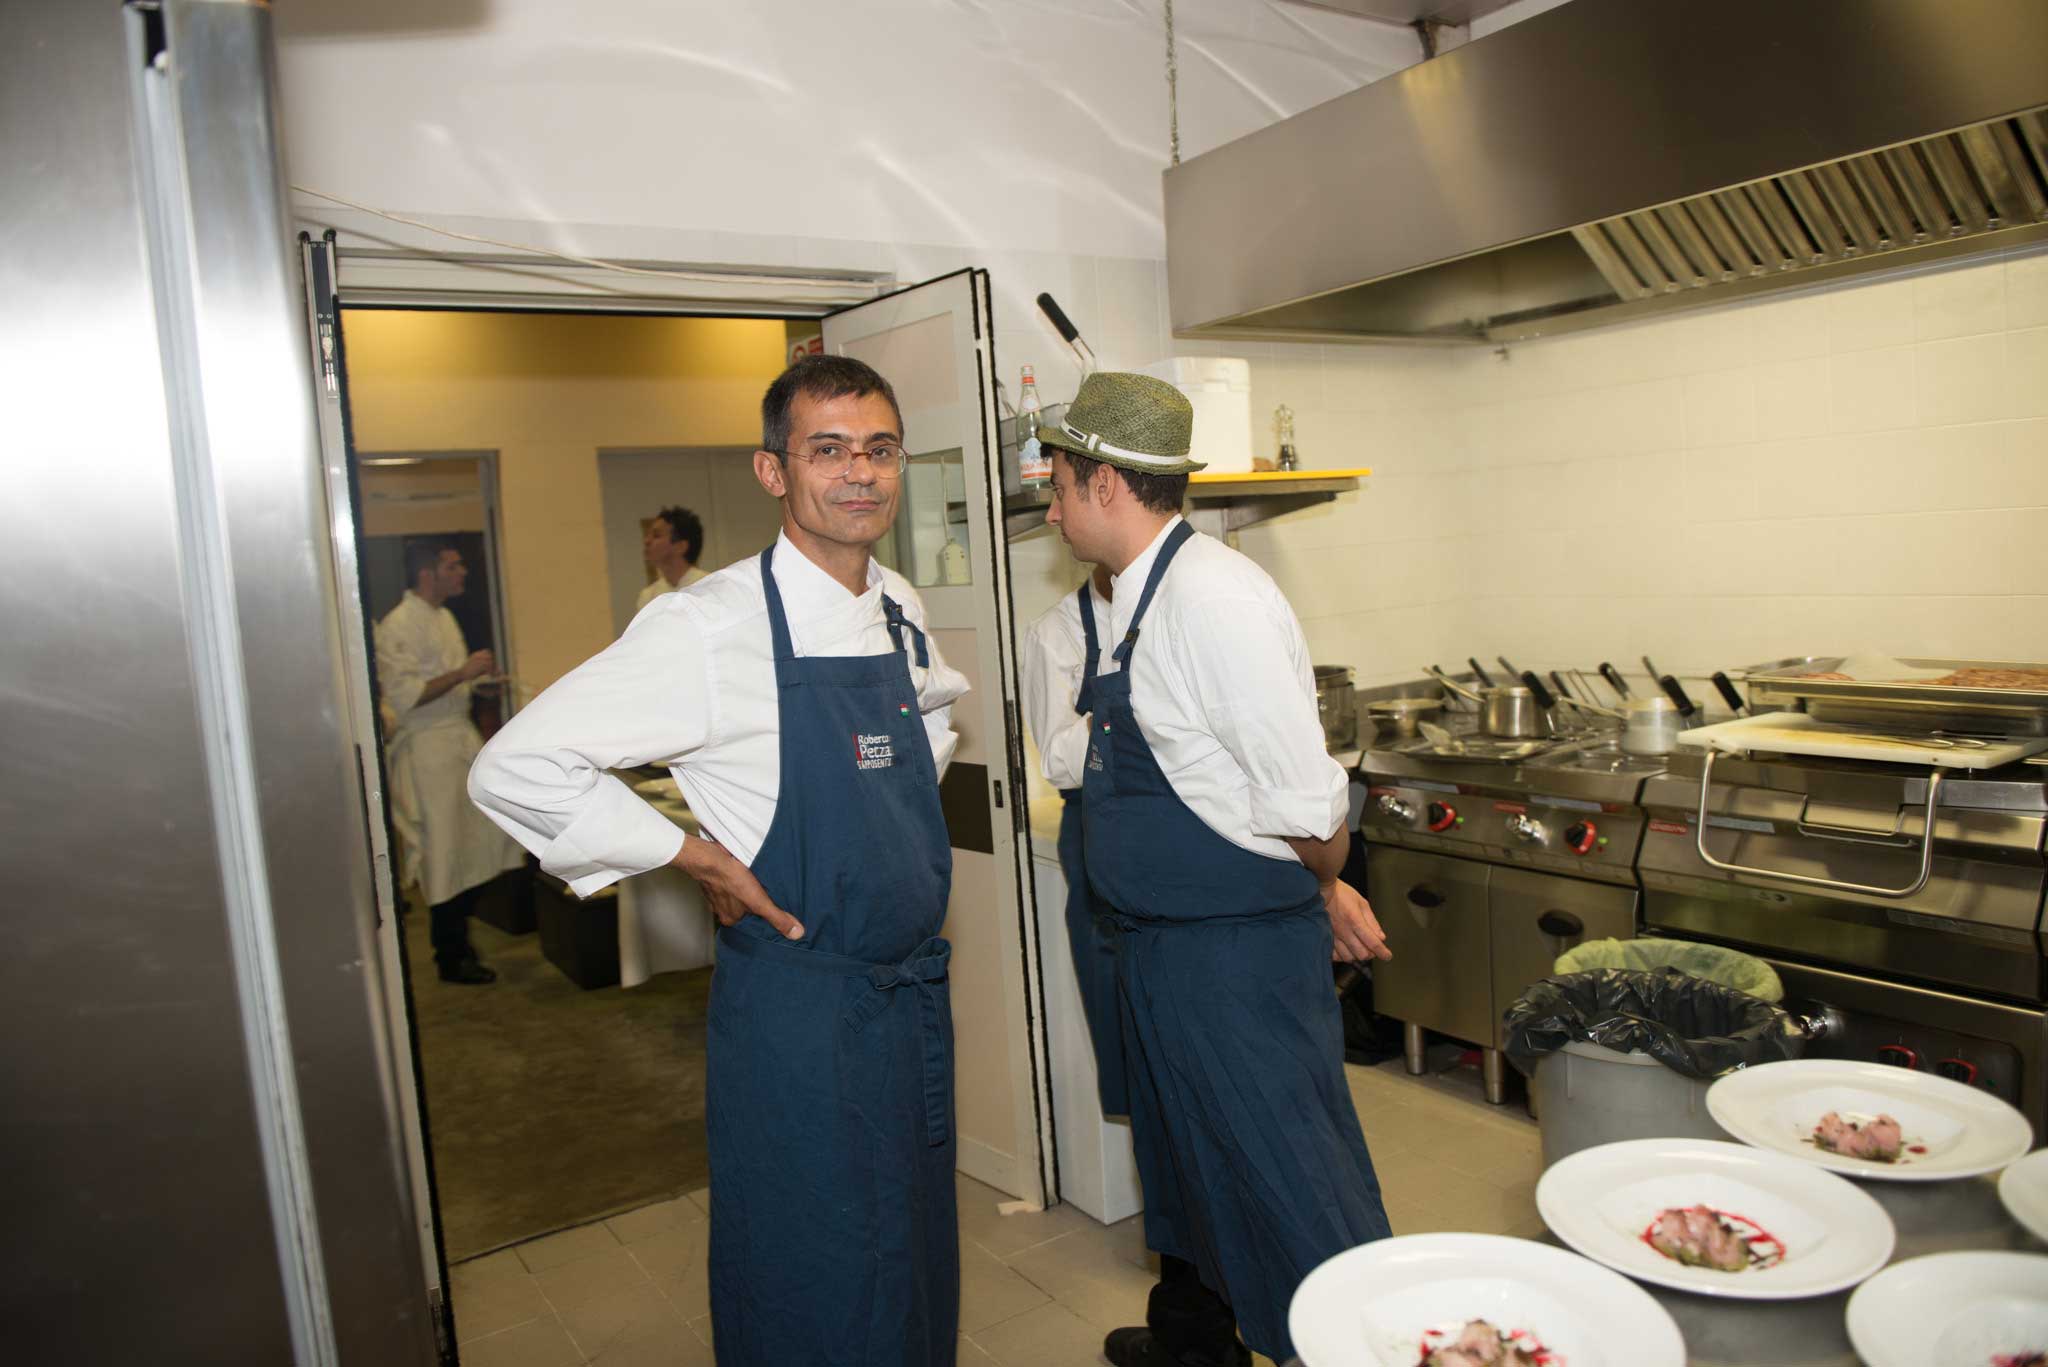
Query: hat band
column 1096, row 445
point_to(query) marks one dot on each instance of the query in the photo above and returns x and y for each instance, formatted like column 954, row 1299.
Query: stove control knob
column 1898, row 1056
column 1522, row 828
column 1441, row 816
column 1957, row 1070
column 1394, row 808
column 1579, row 837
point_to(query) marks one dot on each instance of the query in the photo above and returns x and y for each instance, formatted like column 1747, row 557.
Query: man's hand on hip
column 1355, row 930
column 731, row 888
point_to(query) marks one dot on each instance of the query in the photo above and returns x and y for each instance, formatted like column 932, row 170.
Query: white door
column 933, row 343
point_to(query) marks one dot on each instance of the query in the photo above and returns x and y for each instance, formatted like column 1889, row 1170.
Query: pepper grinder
column 1283, row 422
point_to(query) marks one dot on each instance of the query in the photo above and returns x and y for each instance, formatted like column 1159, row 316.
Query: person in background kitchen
column 672, row 542
column 1215, row 827
column 1061, row 655
column 807, row 718
column 425, row 672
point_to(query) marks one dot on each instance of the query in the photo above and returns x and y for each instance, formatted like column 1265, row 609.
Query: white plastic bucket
column 1588, row 1095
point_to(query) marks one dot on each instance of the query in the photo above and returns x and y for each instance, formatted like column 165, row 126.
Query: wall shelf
column 1217, row 503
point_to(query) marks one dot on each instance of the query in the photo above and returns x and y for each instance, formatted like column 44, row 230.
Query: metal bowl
column 1404, row 714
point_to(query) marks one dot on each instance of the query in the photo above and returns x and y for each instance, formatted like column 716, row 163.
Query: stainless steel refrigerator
column 205, row 1107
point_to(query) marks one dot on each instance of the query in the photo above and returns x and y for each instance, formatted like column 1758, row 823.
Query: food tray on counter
column 2015, row 711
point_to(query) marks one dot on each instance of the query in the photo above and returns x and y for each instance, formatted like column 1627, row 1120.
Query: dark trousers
column 448, row 928
column 1186, row 1318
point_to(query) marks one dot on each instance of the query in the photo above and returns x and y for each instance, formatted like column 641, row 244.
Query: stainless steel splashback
column 1613, row 158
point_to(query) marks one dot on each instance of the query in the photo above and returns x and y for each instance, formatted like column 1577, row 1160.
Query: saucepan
column 1506, row 712
column 1404, row 714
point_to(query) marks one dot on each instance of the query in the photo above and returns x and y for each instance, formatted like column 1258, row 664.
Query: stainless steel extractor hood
column 1614, row 158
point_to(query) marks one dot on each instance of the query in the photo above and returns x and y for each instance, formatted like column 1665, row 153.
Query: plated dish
column 1870, row 1120
column 1714, row 1218
column 1954, row 1310
column 1449, row 1299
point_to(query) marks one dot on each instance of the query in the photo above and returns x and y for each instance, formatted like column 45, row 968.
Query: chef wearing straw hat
column 1215, row 830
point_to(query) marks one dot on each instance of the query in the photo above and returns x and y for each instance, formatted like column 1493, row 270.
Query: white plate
column 1370, row 1306
column 1951, row 1310
column 2024, row 1189
column 1601, row 1201
column 1964, row 1131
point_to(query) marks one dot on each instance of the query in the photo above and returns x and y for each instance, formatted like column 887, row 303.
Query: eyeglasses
column 834, row 461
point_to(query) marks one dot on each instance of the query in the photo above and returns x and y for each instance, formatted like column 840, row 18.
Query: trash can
column 1728, row 967
column 1618, row 1054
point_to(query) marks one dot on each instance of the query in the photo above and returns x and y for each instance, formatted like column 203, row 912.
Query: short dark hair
column 1160, row 493
column 818, row 377
column 422, row 556
column 684, row 525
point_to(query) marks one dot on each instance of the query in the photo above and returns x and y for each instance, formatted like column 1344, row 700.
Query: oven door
column 1433, row 909
column 1538, row 916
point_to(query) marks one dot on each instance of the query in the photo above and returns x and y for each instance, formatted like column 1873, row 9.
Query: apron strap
column 778, row 620
column 925, row 971
column 1084, row 700
column 892, row 612
column 1175, row 539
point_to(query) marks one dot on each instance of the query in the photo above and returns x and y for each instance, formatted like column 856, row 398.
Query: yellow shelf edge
column 1274, row 476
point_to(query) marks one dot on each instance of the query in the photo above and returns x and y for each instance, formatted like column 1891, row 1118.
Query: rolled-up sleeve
column 645, row 699
column 1054, row 657
column 1257, row 691
column 402, row 672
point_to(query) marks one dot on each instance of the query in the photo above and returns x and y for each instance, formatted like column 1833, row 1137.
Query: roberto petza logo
column 872, row 752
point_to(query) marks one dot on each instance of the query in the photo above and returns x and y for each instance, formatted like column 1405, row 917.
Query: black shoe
column 469, row 973
column 1138, row 1347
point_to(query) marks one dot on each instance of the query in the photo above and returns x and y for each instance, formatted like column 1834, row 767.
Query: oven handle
column 1934, row 779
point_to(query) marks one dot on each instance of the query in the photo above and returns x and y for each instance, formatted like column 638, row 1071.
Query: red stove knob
column 1957, row 1070
column 1442, row 816
column 1898, row 1055
column 1579, row 837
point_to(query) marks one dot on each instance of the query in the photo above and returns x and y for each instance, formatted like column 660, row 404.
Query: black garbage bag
column 1690, row 1025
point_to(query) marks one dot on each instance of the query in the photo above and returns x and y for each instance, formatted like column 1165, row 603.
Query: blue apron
column 1235, row 1039
column 1090, row 932
column 829, row 1098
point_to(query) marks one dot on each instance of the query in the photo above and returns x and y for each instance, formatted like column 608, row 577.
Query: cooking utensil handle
column 1513, row 673
column 1448, row 682
column 1538, row 691
column 1613, row 677
column 1485, row 679
column 1729, row 694
column 1934, row 780
column 1563, row 689
column 1058, row 317
column 1655, row 673
column 1669, row 683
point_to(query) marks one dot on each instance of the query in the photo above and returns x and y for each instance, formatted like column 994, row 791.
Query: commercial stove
column 1487, row 859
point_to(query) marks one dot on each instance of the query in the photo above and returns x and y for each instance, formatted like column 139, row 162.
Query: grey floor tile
column 541, row 1343
column 1086, row 1272
column 634, row 1325
column 573, row 1284
column 1050, row 1336
column 555, row 1249
column 489, row 1304
column 701, row 1198
column 700, row 1325
column 1002, row 1234
column 990, row 1292
column 505, row 1263
column 970, row 1355
column 647, row 1221
column 675, row 1259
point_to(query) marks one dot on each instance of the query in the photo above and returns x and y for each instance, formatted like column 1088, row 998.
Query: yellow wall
column 546, row 391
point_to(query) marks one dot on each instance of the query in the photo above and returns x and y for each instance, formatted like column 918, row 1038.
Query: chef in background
column 1062, row 652
column 672, row 542
column 425, row 672
column 1215, row 825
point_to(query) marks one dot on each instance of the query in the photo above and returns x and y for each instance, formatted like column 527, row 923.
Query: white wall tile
column 1720, row 407
column 2026, row 290
column 1790, row 329
column 1720, row 484
column 1874, row 315
column 2026, row 369
column 1959, row 303
column 1962, row 380
column 1792, row 398
column 1871, row 390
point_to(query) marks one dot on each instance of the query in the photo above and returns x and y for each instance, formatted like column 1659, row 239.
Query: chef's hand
column 1352, row 925
column 731, row 888
column 479, row 663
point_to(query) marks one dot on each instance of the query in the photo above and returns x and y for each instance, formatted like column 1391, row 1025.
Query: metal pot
column 1511, row 713
column 1405, row 714
column 1337, row 705
column 1650, row 726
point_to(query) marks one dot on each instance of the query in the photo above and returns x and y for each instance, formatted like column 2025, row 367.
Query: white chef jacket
column 659, row 585
column 447, row 848
column 690, row 685
column 1225, row 695
column 1055, row 649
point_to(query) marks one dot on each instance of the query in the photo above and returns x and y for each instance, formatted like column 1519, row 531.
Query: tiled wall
column 1862, row 467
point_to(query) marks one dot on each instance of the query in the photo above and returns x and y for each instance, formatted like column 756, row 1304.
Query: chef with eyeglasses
column 806, row 716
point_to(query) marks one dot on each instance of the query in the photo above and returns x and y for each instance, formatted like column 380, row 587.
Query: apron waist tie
column 924, row 969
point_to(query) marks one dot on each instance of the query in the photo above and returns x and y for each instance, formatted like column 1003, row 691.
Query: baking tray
column 2002, row 711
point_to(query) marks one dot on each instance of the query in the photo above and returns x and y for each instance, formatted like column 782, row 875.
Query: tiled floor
column 1035, row 1290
